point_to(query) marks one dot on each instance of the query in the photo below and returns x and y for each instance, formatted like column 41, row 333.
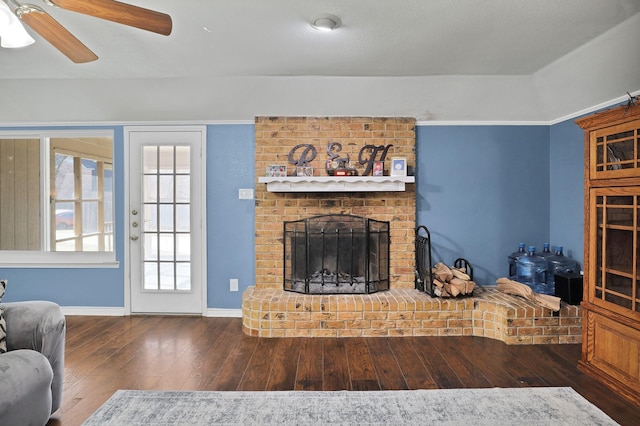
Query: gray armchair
column 32, row 370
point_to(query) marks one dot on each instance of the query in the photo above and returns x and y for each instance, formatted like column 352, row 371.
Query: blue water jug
column 559, row 263
column 513, row 259
column 546, row 252
column 531, row 270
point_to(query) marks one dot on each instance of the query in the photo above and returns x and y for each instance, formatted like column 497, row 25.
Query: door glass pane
column 167, row 275
column 183, row 159
column 150, row 247
column 183, row 192
column 150, row 276
column 150, row 218
column 183, row 247
column 183, row 276
column 150, row 188
column 166, row 195
column 166, row 188
column 166, row 154
column 150, row 159
column 166, row 248
column 182, row 218
column 166, row 217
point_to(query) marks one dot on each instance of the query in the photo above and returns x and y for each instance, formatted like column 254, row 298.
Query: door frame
column 203, row 194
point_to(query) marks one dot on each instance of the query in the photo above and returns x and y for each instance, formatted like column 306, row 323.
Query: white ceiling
column 228, row 60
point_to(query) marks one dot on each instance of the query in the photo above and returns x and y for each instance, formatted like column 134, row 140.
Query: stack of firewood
column 451, row 282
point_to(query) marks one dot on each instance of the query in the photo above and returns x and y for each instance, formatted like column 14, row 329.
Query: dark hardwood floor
column 104, row 354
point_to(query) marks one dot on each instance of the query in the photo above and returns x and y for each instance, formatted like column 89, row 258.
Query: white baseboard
column 93, row 311
column 230, row 313
column 119, row 312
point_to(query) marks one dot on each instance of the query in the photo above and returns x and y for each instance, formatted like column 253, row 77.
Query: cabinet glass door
column 617, row 151
column 616, row 267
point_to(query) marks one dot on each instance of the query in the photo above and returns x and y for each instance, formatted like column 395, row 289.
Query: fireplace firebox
column 336, row 254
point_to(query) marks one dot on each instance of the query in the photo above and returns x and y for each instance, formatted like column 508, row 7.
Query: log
column 470, row 286
column 548, row 301
column 442, row 272
column 452, row 290
column 460, row 285
column 438, row 283
column 460, row 274
column 508, row 286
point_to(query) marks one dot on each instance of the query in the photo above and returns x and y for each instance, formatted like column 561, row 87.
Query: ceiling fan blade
column 122, row 13
column 52, row 31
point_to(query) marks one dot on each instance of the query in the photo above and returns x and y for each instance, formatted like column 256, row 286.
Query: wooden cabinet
column 611, row 302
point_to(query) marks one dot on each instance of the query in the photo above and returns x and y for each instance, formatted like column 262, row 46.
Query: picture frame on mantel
column 398, row 166
column 276, row 170
column 378, row 168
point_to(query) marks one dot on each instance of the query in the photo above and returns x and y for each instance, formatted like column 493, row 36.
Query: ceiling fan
column 51, row 30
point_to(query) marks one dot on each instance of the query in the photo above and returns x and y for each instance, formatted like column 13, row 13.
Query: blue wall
column 230, row 231
column 480, row 189
column 230, row 221
column 566, row 194
column 78, row 286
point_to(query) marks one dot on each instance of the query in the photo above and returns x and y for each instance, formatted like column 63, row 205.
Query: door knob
column 133, row 237
column 134, row 224
column 134, row 212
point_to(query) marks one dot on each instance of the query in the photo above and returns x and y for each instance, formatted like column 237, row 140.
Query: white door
column 165, row 214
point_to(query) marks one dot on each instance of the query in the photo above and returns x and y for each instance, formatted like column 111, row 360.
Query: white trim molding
column 102, row 311
column 224, row 313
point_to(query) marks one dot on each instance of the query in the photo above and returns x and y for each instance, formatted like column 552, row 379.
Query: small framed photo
column 378, row 168
column 277, row 170
column 398, row 166
column 304, row 171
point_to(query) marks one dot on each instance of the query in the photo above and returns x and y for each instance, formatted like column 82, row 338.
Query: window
column 56, row 197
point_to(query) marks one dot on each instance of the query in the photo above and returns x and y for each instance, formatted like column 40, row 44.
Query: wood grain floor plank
column 451, row 350
column 361, row 366
column 413, row 369
column 194, row 353
column 285, row 365
column 442, row 374
column 336, row 368
column 387, row 369
column 259, row 366
column 310, row 364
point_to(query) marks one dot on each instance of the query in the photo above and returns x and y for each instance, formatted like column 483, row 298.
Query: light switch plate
column 245, row 194
column 233, row 284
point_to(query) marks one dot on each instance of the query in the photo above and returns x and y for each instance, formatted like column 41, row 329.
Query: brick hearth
column 406, row 312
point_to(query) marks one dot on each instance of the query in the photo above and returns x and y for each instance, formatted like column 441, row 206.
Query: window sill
column 26, row 259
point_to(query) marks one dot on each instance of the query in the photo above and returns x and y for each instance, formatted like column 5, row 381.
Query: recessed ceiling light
column 326, row 22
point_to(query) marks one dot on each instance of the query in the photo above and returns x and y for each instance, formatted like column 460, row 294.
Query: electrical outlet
column 233, row 284
column 245, row 194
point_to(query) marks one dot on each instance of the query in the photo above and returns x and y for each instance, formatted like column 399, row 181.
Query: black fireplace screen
column 336, row 254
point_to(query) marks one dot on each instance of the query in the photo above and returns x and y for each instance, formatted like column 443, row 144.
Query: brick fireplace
column 269, row 311
column 276, row 136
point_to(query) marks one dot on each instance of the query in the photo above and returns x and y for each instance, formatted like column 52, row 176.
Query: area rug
column 496, row 406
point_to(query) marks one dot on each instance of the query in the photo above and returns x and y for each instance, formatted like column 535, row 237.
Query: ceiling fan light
column 12, row 33
column 326, row 22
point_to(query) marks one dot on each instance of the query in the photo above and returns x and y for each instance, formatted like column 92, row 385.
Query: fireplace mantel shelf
column 336, row 184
